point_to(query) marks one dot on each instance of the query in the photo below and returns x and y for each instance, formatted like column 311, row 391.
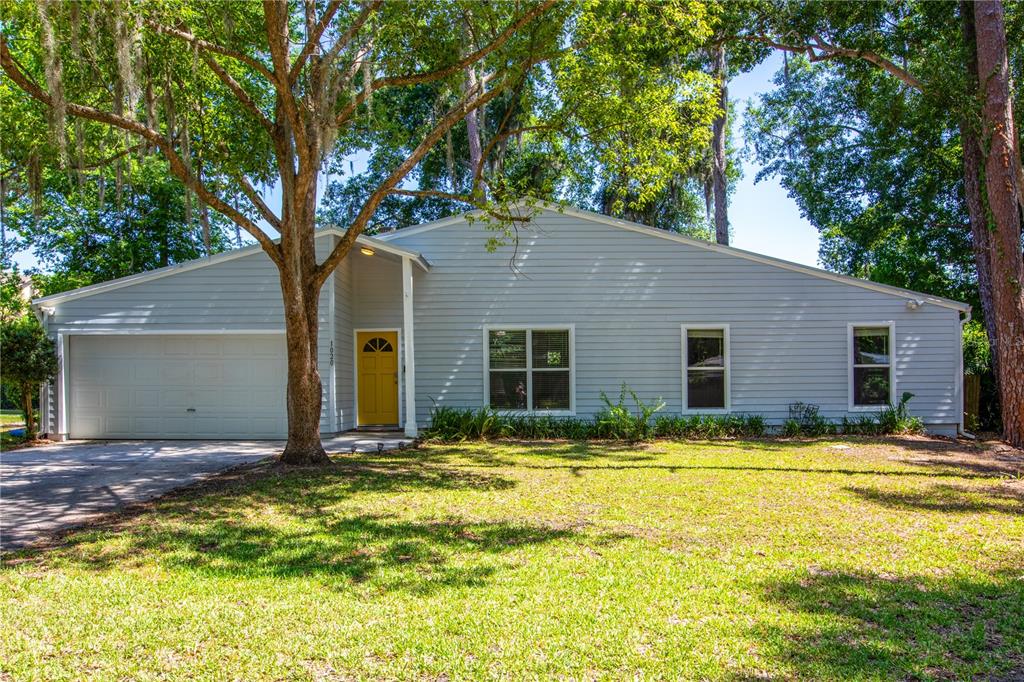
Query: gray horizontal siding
column 628, row 294
column 236, row 295
column 343, row 345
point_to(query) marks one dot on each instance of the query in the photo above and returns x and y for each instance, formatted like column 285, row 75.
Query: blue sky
column 763, row 218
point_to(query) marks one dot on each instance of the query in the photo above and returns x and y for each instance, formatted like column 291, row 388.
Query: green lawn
column 10, row 419
column 730, row 560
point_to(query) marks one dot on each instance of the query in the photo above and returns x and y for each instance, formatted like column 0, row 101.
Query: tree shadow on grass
column 907, row 628
column 395, row 554
column 945, row 497
column 596, row 461
column 281, row 522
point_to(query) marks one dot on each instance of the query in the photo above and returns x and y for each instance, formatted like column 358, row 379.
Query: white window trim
column 727, row 365
column 891, row 326
column 488, row 328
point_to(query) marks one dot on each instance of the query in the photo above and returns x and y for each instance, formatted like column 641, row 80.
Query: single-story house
column 430, row 315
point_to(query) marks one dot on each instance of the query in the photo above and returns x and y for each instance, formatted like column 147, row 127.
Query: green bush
column 791, row 428
column 897, row 419
column 618, row 422
column 865, row 425
column 977, row 353
column 809, row 421
column 705, row 427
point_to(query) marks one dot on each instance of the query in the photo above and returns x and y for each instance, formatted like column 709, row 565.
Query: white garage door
column 177, row 386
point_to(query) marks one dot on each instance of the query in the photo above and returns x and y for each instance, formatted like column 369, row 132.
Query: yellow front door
column 377, row 354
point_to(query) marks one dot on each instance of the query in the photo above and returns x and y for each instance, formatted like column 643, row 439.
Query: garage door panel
column 118, row 399
column 146, row 398
column 155, row 386
column 87, row 399
column 145, row 372
column 177, row 372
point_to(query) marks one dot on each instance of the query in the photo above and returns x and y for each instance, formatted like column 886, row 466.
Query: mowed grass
column 729, row 560
column 9, row 420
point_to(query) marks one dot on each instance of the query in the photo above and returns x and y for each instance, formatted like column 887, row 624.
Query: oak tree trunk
column 718, row 161
column 301, row 295
column 973, row 167
column 305, row 389
column 1001, row 190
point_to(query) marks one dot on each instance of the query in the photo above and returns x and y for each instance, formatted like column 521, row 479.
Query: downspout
column 961, row 431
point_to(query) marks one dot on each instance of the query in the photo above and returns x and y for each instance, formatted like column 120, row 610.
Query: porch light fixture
column 367, row 251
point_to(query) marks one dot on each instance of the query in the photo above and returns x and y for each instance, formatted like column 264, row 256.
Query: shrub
column 709, row 426
column 977, row 353
column 790, row 428
column 897, row 419
column 810, row 422
column 30, row 359
column 865, row 425
column 617, row 422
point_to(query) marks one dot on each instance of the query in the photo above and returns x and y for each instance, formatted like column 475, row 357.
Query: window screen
column 705, row 369
column 872, row 367
column 529, row 369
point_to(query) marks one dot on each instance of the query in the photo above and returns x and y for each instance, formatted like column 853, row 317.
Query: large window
column 529, row 369
column 706, row 368
column 871, row 382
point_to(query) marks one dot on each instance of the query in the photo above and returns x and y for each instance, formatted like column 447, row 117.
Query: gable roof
column 696, row 243
column 103, row 287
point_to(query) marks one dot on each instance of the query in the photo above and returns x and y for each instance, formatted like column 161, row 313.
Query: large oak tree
column 239, row 96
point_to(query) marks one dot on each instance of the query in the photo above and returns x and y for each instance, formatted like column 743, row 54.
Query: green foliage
column 897, row 418
column 620, row 123
column 83, row 235
column 29, row 359
column 864, row 425
column 12, row 305
column 791, row 428
column 977, row 352
column 616, row 421
column 808, row 421
column 707, row 427
column 875, row 166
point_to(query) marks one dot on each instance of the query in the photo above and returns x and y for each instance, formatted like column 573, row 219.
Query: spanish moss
column 54, row 78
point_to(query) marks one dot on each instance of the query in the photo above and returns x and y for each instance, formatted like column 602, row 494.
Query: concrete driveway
column 51, row 487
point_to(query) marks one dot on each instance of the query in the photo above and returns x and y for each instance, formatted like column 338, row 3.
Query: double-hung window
column 871, row 380
column 706, row 368
column 529, row 369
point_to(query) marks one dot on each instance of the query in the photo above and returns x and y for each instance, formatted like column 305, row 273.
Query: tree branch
column 461, row 198
column 177, row 165
column 240, row 94
column 252, row 195
column 819, row 50
column 342, row 42
column 466, row 104
column 430, row 76
column 207, row 46
column 313, row 40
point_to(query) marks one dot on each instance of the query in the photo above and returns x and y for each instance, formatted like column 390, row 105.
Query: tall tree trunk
column 305, row 389
column 718, row 129
column 973, row 161
column 473, row 130
column 26, row 407
column 1001, row 189
column 301, row 297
